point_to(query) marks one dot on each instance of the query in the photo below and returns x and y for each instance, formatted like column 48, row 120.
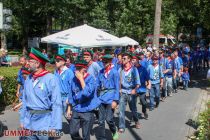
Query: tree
column 157, row 23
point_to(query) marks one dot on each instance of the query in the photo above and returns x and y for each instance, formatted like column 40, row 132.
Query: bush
column 9, row 84
column 203, row 130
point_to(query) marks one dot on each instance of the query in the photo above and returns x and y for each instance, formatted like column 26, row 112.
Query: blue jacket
column 177, row 64
column 109, row 82
column 83, row 100
column 185, row 76
column 100, row 63
column 170, row 65
column 20, row 80
column 117, row 66
column 94, row 69
column 64, row 80
column 42, row 94
column 72, row 67
column 144, row 76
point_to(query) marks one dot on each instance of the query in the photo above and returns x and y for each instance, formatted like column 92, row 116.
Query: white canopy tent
column 128, row 41
column 83, row 36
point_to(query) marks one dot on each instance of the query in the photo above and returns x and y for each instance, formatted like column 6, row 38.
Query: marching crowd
column 96, row 83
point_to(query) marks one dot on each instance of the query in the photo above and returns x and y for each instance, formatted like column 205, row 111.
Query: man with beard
column 41, row 110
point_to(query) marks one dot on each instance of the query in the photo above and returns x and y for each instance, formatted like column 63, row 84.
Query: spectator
column 185, row 78
column 5, row 59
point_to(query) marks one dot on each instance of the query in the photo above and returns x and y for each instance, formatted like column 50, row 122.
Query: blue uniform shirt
column 169, row 66
column 143, row 63
column 64, row 80
column 111, row 82
column 177, row 64
column 117, row 66
column 129, row 79
column 42, row 94
column 185, row 76
column 20, row 80
column 144, row 76
column 155, row 74
column 100, row 63
column 83, row 100
column 72, row 67
column 94, row 69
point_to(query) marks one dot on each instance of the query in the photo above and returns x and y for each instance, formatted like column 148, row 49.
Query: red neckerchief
column 89, row 63
column 42, row 73
column 86, row 75
column 127, row 69
column 108, row 69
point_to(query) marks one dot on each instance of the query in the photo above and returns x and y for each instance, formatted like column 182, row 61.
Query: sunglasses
column 57, row 60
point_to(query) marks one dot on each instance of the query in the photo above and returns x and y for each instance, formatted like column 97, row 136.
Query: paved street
column 166, row 122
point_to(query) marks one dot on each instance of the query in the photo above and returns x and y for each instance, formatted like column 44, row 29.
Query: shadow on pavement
column 2, row 128
column 65, row 127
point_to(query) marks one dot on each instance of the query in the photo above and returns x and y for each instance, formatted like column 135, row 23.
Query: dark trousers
column 83, row 120
column 205, row 62
column 106, row 113
column 143, row 101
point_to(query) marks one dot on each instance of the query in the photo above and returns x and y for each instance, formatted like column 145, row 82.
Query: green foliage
column 9, row 84
column 133, row 18
column 203, row 130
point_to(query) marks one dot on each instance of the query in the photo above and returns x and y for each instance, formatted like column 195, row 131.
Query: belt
column 39, row 111
column 102, row 92
column 64, row 94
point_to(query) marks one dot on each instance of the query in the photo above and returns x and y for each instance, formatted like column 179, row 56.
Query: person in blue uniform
column 64, row 76
column 169, row 72
column 145, row 84
column 99, row 61
column 143, row 60
column 156, row 77
column 108, row 94
column 162, row 62
column 69, row 64
column 148, row 59
column 20, row 79
column 93, row 67
column 185, row 78
column 41, row 110
column 129, row 83
column 118, row 65
column 82, row 101
column 178, row 66
column 25, row 72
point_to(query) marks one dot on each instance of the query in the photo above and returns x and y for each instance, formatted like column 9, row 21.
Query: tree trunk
column 157, row 23
column 49, row 29
column 3, row 41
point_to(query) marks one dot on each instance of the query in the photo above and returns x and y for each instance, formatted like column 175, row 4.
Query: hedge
column 9, row 84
